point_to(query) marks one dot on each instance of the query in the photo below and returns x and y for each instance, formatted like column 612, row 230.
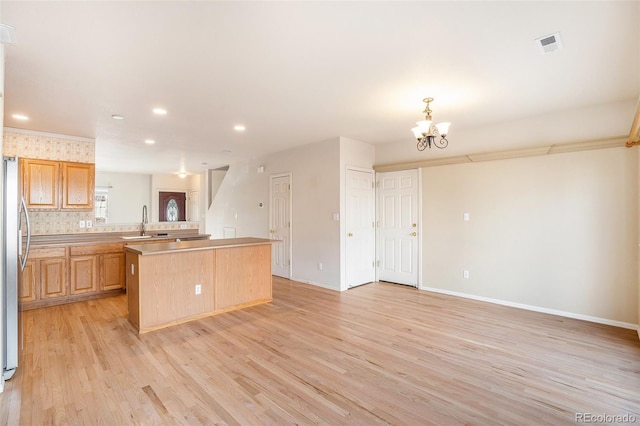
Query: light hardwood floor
column 376, row 354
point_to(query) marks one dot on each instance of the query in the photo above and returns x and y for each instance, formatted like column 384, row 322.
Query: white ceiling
column 302, row 72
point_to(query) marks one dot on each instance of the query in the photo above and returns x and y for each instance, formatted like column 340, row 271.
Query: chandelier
column 427, row 133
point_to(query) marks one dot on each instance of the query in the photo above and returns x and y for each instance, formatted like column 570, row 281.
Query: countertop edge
column 197, row 245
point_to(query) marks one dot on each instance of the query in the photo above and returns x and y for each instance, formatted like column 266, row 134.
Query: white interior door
column 398, row 227
column 280, row 225
column 360, row 221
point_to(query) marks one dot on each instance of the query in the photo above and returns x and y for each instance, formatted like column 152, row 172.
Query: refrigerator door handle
column 23, row 261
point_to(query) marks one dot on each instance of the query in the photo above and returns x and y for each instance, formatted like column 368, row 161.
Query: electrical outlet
column 81, row 224
column 183, row 226
column 465, row 275
column 320, row 266
column 198, row 288
column 89, row 224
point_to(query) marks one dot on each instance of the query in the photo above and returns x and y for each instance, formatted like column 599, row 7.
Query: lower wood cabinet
column 84, row 274
column 44, row 276
column 63, row 274
column 98, row 267
column 27, row 290
column 112, row 274
column 53, row 278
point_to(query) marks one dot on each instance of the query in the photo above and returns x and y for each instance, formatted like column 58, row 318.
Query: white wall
column 558, row 231
column 315, row 190
column 128, row 193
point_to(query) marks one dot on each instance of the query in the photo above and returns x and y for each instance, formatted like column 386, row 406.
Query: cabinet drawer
column 43, row 253
column 96, row 249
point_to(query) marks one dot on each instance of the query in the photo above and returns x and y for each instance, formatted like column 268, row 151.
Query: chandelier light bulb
column 443, row 128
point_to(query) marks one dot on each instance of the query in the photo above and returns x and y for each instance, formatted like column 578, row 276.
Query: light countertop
column 174, row 247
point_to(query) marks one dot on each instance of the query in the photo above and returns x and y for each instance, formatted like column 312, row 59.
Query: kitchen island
column 171, row 283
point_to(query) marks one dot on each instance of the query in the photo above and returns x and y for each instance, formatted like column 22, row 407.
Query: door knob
column 413, row 234
column 349, row 234
column 414, row 225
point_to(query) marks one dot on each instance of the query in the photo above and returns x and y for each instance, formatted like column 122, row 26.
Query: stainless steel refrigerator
column 14, row 259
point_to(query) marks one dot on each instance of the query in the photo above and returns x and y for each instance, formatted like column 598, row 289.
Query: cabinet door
column 40, row 180
column 27, row 290
column 84, row 274
column 53, row 277
column 112, row 271
column 77, row 186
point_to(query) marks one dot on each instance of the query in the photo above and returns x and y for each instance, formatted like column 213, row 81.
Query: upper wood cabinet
column 77, row 185
column 41, row 182
column 55, row 185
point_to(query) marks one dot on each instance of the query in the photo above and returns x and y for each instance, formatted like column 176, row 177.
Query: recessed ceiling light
column 149, row 141
column 182, row 175
column 21, row 117
column 160, row 111
column 239, row 128
column 226, row 151
column 117, row 117
column 205, row 164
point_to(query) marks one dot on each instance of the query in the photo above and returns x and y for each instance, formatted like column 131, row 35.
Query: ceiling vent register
column 549, row 43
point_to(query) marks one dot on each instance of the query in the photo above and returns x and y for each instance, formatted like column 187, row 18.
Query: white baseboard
column 327, row 286
column 537, row 309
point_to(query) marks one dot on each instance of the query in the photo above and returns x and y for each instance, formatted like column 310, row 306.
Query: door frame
column 343, row 226
column 290, row 245
column 420, row 227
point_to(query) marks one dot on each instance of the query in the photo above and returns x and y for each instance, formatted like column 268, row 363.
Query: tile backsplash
column 48, row 147
column 51, row 223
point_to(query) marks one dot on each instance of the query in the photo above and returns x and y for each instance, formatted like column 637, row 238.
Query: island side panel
column 167, row 287
column 133, row 288
column 242, row 276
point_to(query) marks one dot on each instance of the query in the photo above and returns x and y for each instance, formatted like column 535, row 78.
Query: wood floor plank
column 376, row 354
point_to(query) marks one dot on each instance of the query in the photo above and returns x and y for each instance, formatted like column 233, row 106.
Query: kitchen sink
column 135, row 237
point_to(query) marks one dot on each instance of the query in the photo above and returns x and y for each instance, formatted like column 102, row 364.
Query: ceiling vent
column 7, row 34
column 549, row 43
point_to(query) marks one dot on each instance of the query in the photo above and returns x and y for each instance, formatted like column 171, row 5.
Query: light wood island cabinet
column 172, row 283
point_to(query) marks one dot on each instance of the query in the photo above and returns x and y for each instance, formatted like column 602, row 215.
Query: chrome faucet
column 145, row 221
